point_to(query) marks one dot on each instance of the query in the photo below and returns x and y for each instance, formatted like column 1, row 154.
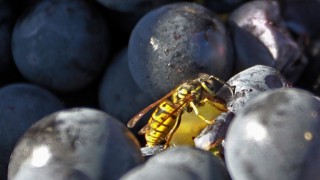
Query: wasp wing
column 132, row 122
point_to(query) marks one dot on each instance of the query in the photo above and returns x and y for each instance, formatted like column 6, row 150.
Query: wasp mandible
column 187, row 97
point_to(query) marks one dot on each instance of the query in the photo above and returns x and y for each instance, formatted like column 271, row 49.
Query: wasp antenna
column 217, row 79
column 204, row 75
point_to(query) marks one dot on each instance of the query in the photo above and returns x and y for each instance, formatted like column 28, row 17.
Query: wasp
column 187, row 97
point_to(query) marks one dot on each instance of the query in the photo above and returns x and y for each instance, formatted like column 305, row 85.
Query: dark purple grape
column 75, row 143
column 272, row 136
column 260, row 38
column 21, row 105
column 193, row 163
column 176, row 42
column 61, row 44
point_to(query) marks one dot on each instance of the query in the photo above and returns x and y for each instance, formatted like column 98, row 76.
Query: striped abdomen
column 161, row 122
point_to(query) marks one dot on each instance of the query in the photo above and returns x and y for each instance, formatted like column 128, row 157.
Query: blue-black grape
column 21, row 105
column 176, row 42
column 248, row 84
column 60, row 44
column 251, row 82
column 272, row 136
column 75, row 143
column 159, row 172
column 191, row 162
column 170, row 45
column 119, row 95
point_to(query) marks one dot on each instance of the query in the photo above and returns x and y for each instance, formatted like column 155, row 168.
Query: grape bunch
column 74, row 72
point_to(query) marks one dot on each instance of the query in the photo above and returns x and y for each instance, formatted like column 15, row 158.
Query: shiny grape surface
column 278, row 132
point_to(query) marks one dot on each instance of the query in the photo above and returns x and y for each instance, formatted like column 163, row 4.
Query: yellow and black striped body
column 187, row 97
column 165, row 116
column 161, row 122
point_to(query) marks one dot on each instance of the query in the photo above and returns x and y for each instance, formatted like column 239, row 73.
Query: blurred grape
column 75, row 143
column 61, row 44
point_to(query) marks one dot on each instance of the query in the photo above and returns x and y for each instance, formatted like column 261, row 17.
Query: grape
column 159, row 172
column 73, row 143
column 61, row 44
column 259, row 38
column 194, row 164
column 57, row 51
column 118, row 91
column 177, row 42
column 119, row 95
column 272, row 136
column 301, row 19
column 21, row 105
column 250, row 82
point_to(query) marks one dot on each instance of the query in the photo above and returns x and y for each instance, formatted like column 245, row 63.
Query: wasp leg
column 215, row 105
column 172, row 131
column 196, row 111
column 205, row 87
